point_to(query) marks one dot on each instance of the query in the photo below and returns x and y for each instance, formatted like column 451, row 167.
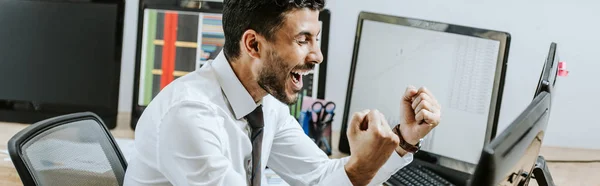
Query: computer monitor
column 510, row 158
column 59, row 57
column 174, row 41
column 464, row 67
column 547, row 79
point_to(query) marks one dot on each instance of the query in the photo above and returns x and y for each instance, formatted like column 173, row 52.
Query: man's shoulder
column 197, row 90
column 184, row 112
column 198, row 86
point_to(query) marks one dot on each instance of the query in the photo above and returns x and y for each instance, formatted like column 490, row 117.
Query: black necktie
column 256, row 122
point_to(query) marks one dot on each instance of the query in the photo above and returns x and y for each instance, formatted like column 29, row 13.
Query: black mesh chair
column 75, row 149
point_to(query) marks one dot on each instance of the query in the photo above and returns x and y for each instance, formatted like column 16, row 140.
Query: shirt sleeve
column 190, row 150
column 298, row 160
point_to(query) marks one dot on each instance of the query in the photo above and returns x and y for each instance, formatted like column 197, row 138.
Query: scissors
column 324, row 117
column 323, row 111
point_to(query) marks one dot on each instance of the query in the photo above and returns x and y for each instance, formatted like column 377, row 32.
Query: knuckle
column 424, row 107
column 377, row 136
column 420, row 105
column 396, row 141
column 427, row 105
column 381, row 136
column 387, row 138
column 355, row 116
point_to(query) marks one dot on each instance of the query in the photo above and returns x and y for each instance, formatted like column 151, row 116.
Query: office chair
column 74, row 149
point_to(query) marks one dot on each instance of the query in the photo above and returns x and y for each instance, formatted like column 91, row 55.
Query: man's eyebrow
column 307, row 33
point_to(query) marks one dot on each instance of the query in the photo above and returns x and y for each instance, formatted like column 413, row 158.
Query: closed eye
column 302, row 42
column 302, row 39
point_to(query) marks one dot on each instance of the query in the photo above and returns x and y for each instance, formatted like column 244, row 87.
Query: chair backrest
column 75, row 149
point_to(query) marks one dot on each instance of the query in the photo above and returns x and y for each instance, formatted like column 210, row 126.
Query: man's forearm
column 358, row 176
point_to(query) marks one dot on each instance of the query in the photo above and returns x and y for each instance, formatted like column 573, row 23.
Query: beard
column 274, row 75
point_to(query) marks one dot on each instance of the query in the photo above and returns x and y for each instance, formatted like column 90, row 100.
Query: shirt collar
column 239, row 99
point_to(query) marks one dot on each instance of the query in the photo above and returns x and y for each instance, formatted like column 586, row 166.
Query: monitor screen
column 461, row 70
column 175, row 43
column 60, row 53
column 510, row 157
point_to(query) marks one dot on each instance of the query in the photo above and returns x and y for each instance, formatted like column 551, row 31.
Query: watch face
column 419, row 145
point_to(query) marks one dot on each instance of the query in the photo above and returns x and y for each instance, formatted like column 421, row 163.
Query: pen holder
column 315, row 117
column 321, row 135
column 315, row 131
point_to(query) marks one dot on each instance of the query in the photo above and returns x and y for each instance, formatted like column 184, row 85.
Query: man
column 224, row 123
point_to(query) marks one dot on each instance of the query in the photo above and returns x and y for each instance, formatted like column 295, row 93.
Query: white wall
column 128, row 57
column 533, row 24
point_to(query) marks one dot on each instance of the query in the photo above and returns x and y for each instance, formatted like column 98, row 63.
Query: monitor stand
column 542, row 173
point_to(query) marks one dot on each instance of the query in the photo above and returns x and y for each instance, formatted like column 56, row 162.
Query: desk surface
column 566, row 173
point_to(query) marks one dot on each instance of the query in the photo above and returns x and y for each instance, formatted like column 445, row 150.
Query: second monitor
column 510, row 158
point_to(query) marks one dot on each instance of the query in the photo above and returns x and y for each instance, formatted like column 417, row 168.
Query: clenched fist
column 370, row 146
column 420, row 113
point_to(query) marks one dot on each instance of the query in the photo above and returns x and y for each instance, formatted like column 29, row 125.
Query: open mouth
column 296, row 76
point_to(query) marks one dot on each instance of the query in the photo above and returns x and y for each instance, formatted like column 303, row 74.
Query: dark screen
column 59, row 53
column 510, row 157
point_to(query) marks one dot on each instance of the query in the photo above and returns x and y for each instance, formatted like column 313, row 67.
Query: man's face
column 292, row 54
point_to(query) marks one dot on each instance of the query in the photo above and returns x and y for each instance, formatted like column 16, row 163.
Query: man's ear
column 251, row 43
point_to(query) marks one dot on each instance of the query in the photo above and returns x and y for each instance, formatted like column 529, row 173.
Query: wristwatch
column 404, row 144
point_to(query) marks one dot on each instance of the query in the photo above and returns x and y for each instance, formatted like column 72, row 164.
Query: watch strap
column 404, row 144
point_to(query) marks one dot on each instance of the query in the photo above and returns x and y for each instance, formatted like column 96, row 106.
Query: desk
column 563, row 173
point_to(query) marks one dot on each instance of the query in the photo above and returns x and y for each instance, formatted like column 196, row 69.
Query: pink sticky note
column 562, row 69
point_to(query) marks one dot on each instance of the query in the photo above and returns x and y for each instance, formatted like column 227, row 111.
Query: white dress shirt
column 194, row 133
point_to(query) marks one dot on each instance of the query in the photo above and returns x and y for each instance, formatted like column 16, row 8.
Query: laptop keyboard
column 417, row 176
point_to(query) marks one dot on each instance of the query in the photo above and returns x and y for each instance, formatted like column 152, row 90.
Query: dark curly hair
column 262, row 16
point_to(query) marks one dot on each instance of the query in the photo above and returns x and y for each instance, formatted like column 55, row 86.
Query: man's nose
column 315, row 56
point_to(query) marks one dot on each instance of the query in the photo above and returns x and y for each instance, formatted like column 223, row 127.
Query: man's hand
column 420, row 113
column 370, row 146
